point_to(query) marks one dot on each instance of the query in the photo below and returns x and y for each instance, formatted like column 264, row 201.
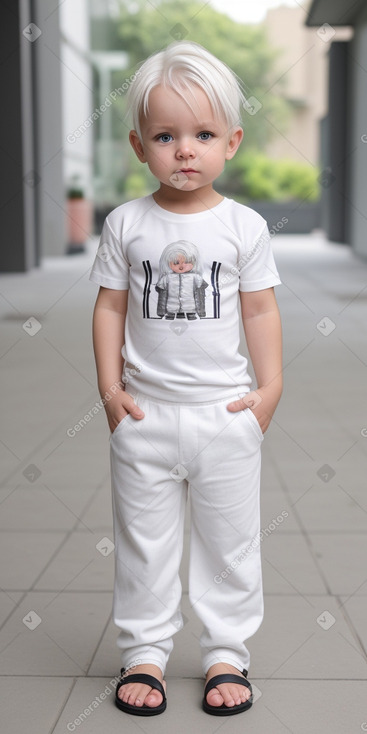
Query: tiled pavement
column 57, row 641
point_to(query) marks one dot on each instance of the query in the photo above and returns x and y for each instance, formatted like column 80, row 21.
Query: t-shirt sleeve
column 257, row 269
column 110, row 268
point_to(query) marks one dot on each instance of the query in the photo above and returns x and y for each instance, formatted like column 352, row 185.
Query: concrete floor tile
column 8, row 602
column 53, row 634
column 107, row 657
column 27, row 555
column 302, row 706
column 98, row 514
column 288, row 565
column 323, row 509
column 32, row 705
column 356, row 609
column 272, row 505
column 80, row 566
column 37, row 507
column 306, row 638
column 341, row 557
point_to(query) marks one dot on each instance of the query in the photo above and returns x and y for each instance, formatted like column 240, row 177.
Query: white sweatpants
column 215, row 454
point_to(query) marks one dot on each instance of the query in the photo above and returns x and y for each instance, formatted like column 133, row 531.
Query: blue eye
column 165, row 138
column 207, row 136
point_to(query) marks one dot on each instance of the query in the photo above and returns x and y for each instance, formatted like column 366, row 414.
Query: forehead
column 167, row 105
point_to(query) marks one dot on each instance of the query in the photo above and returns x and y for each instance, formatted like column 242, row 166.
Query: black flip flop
column 227, row 710
column 150, row 680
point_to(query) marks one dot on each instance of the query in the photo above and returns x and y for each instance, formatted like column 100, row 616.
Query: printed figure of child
column 180, row 285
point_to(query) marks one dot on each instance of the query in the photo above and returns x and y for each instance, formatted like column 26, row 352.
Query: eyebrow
column 200, row 125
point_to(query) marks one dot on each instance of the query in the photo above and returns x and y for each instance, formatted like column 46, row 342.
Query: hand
column 118, row 408
column 262, row 402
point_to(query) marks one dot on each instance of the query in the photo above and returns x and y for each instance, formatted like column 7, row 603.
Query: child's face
column 179, row 265
column 184, row 149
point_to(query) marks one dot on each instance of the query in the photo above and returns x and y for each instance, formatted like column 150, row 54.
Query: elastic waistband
column 231, row 396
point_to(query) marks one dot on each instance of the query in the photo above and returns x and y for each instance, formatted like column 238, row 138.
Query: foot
column 139, row 694
column 230, row 694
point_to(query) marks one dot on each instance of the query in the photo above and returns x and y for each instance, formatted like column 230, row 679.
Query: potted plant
column 79, row 217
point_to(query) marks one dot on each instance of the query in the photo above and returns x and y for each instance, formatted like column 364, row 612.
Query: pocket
column 251, row 417
column 125, row 420
column 120, row 425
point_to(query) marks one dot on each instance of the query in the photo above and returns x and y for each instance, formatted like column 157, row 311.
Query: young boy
column 179, row 406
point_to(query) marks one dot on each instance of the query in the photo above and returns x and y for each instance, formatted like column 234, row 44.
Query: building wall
column 48, row 111
column 303, row 69
column 77, row 94
column 357, row 142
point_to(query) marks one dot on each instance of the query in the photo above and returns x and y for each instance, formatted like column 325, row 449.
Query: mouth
column 187, row 170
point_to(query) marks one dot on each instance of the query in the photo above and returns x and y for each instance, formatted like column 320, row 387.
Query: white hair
column 180, row 66
column 181, row 247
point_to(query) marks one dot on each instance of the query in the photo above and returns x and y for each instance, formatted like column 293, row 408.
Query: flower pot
column 79, row 223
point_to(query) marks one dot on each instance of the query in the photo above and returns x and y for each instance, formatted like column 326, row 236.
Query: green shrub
column 252, row 175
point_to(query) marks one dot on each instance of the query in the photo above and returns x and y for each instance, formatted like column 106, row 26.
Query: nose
column 185, row 150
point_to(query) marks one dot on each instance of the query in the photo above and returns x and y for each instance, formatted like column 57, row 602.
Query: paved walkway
column 58, row 653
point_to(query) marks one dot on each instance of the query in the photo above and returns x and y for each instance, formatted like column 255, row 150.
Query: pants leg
column 148, row 513
column 221, row 451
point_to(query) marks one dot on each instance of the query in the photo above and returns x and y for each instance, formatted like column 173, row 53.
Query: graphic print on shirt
column 181, row 286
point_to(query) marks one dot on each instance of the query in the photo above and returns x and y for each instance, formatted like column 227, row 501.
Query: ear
column 137, row 145
column 234, row 142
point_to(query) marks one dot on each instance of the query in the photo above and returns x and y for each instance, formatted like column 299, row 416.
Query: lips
column 187, row 170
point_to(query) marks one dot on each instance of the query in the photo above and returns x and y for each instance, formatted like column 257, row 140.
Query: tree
column 146, row 27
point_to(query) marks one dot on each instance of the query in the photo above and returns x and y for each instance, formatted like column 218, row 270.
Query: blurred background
column 66, row 157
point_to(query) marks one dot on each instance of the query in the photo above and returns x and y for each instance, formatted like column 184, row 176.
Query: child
column 178, row 400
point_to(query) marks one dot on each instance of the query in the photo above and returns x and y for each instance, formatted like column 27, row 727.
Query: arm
column 262, row 326
column 108, row 338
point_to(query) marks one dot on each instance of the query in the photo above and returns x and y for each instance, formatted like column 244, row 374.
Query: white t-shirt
column 182, row 325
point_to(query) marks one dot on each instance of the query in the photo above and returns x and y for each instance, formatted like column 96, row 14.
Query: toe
column 214, row 698
column 154, row 698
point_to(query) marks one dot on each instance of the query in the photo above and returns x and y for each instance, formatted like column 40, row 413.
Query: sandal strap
column 149, row 680
column 225, row 678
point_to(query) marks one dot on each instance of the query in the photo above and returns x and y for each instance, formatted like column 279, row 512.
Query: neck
column 187, row 202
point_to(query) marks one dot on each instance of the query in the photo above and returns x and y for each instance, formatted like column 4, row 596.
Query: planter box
column 302, row 216
column 79, row 224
